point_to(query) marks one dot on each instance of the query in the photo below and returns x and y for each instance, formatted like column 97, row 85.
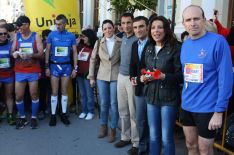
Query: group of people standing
column 21, row 65
column 148, row 103
column 138, row 76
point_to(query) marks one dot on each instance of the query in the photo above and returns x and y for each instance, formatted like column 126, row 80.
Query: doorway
column 230, row 13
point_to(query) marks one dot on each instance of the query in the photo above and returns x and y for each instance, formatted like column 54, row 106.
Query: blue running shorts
column 7, row 80
column 26, row 77
column 60, row 70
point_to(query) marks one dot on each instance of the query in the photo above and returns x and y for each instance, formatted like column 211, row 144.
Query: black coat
column 167, row 91
column 136, row 66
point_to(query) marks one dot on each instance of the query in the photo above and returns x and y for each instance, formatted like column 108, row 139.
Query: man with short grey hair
column 208, row 81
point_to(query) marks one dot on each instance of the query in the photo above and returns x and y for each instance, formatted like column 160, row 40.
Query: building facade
column 11, row 9
column 225, row 7
column 93, row 12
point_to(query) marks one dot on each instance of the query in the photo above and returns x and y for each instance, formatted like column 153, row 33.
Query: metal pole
column 173, row 15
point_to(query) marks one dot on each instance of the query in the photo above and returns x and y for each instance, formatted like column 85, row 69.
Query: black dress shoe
column 143, row 153
column 122, row 143
column 133, row 151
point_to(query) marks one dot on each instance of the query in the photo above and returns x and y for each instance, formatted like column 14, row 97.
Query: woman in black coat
column 163, row 93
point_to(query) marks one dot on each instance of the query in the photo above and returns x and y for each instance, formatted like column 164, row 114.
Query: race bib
column 83, row 56
column 26, row 50
column 4, row 62
column 193, row 73
column 61, row 51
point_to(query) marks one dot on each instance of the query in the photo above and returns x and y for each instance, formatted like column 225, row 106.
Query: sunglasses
column 82, row 36
column 1, row 34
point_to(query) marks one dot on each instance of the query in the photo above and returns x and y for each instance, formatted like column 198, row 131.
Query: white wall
column 11, row 9
column 88, row 9
column 207, row 5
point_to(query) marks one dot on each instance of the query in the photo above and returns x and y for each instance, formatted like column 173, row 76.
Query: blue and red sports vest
column 5, row 61
column 27, row 45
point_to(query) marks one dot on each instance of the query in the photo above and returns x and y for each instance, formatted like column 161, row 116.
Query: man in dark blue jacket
column 140, row 28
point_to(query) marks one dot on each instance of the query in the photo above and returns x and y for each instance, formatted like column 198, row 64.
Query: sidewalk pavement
column 80, row 138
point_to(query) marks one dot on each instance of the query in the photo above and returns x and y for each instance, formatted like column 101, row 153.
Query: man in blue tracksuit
column 58, row 62
column 207, row 68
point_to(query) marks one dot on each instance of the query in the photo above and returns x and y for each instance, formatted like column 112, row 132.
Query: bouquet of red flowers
column 155, row 74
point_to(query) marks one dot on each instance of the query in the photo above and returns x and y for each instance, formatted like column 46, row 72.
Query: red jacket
column 83, row 66
column 224, row 32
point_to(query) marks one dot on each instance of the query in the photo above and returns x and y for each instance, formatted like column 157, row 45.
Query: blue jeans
column 86, row 95
column 161, row 121
column 142, row 123
column 108, row 97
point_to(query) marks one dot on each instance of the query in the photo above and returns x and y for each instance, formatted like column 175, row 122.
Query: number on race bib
column 4, row 62
column 61, row 51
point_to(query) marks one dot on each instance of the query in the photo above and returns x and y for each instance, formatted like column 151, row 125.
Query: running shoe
column 11, row 119
column 34, row 124
column 41, row 115
column 21, row 123
column 82, row 115
column 64, row 119
column 89, row 116
column 53, row 120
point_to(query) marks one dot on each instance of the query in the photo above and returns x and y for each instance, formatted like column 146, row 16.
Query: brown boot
column 112, row 135
column 103, row 131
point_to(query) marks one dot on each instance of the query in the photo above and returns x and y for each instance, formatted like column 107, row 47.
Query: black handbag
column 97, row 62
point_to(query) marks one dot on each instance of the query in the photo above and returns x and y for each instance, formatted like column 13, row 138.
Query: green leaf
column 122, row 6
column 50, row 2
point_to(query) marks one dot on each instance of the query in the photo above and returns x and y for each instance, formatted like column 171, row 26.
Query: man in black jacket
column 140, row 28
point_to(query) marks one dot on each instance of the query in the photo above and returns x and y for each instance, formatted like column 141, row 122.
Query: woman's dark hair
column 107, row 21
column 169, row 35
column 183, row 35
column 152, row 16
column 45, row 33
column 230, row 37
column 91, row 35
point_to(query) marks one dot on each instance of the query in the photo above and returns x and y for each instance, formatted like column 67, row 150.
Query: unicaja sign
column 42, row 21
column 42, row 13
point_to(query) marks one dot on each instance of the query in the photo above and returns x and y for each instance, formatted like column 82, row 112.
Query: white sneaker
column 82, row 115
column 89, row 116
